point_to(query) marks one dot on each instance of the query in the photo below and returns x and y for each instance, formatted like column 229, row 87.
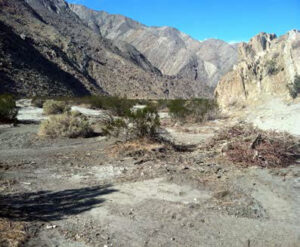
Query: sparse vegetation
column 8, row 109
column 52, row 107
column 113, row 127
column 246, row 145
column 145, row 121
column 295, row 87
column 195, row 110
column 38, row 101
column 69, row 124
column 117, row 105
column 271, row 67
column 138, row 123
column 177, row 109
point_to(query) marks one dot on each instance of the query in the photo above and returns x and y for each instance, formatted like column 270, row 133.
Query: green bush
column 52, row 107
column 141, row 123
column 117, row 105
column 194, row 110
column 178, row 109
column 114, row 126
column 8, row 109
column 201, row 110
column 145, row 121
column 69, row 124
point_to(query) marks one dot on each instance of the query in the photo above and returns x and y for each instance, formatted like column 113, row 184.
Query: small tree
column 8, row 109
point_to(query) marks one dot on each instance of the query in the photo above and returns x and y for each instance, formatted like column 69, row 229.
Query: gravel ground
column 100, row 192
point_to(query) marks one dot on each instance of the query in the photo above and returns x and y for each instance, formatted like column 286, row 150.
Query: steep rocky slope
column 47, row 50
column 170, row 50
column 268, row 67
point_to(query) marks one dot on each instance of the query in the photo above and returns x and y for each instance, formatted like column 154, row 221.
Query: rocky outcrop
column 267, row 67
column 171, row 51
column 46, row 49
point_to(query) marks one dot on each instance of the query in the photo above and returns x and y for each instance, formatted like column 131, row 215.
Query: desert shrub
column 38, row 101
column 194, row 110
column 177, row 109
column 117, row 105
column 138, row 123
column 51, row 107
column 8, row 109
column 246, row 145
column 271, row 67
column 295, row 87
column 114, row 126
column 162, row 104
column 145, row 121
column 69, row 124
column 201, row 110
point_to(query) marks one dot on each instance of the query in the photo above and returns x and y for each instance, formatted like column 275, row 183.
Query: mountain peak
column 173, row 52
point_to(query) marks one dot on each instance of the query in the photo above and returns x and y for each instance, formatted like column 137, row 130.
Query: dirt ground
column 102, row 192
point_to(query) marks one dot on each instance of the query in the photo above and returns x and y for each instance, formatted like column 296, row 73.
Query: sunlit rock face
column 267, row 67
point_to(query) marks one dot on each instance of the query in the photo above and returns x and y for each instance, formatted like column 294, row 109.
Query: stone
column 267, row 68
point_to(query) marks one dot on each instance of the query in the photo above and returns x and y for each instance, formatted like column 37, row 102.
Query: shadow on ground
column 49, row 205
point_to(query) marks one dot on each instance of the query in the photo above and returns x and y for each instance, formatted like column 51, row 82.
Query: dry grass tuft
column 51, row 107
column 12, row 234
column 134, row 147
column 243, row 144
column 70, row 125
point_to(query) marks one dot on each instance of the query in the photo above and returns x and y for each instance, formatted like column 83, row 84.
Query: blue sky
column 230, row 20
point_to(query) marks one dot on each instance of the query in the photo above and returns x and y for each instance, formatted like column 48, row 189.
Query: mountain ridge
column 167, row 48
column 99, row 64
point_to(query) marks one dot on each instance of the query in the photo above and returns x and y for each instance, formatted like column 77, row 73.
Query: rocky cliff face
column 268, row 67
column 46, row 49
column 171, row 51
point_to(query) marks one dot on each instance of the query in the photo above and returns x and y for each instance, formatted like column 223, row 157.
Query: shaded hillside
column 24, row 70
column 53, row 52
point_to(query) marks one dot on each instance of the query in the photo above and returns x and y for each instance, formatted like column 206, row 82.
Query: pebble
column 48, row 227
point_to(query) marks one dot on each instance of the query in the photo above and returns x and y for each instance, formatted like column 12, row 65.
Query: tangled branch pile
column 248, row 146
column 12, row 234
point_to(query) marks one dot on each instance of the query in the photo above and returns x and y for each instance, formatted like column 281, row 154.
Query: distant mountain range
column 171, row 51
column 50, row 47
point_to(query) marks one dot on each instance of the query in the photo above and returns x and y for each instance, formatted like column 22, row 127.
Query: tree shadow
column 49, row 205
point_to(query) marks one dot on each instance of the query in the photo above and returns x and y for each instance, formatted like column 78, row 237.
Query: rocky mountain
column 171, row 51
column 268, row 67
column 46, row 49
